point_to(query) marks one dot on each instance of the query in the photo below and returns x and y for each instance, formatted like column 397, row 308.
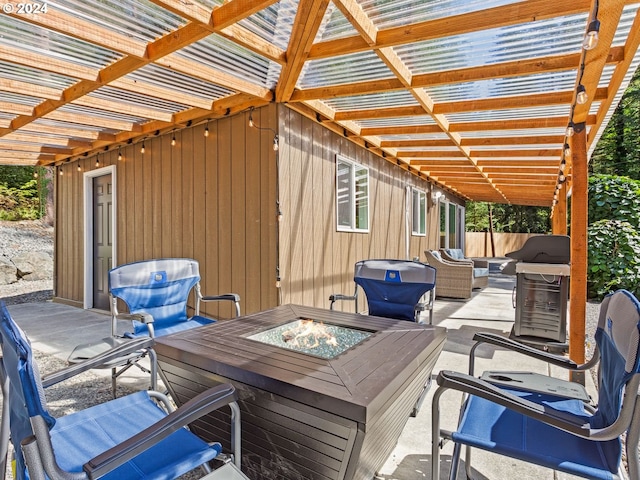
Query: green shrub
column 614, row 198
column 614, row 244
column 614, row 258
column 19, row 203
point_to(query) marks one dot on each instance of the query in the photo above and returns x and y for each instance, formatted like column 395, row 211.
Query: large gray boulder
column 34, row 266
column 8, row 272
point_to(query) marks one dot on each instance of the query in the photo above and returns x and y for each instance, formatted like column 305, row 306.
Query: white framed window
column 352, row 196
column 419, row 212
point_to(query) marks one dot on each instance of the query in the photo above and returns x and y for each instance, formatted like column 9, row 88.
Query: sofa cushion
column 480, row 272
column 436, row 254
column 455, row 253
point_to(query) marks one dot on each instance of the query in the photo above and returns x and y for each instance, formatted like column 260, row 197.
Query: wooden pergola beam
column 431, row 154
column 465, row 75
column 300, row 43
column 501, row 163
column 521, row 171
column 21, row 147
column 515, row 140
column 551, row 122
column 540, row 152
column 408, row 130
column 630, row 47
column 469, row 22
column 557, row 63
column 156, row 50
column 505, row 103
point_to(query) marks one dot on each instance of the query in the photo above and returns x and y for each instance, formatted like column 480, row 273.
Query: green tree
column 14, row 176
column 477, row 217
column 22, row 196
column 507, row 218
column 618, row 150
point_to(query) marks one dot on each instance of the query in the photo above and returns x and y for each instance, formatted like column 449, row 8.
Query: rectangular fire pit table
column 303, row 416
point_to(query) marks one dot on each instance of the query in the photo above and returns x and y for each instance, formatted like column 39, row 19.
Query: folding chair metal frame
column 35, row 423
column 504, row 408
column 156, row 293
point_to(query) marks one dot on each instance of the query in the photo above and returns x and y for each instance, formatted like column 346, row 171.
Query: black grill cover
column 544, row 249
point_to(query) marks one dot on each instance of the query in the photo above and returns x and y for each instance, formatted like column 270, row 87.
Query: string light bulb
column 35, row 174
column 173, row 141
column 567, row 151
column 251, row 117
column 581, row 95
column 570, row 130
column 275, row 143
column 142, row 149
column 97, row 162
column 119, row 154
column 591, row 38
column 206, row 131
column 79, row 168
column 563, row 165
column 61, row 170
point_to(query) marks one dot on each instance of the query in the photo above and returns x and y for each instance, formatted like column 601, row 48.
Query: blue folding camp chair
column 133, row 437
column 394, row 288
column 538, row 426
column 155, row 293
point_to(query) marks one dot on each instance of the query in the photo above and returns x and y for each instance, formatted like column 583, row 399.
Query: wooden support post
column 554, row 220
column 559, row 220
column 579, row 221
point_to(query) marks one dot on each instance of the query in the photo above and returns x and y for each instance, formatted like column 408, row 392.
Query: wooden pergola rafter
column 135, row 56
column 419, row 106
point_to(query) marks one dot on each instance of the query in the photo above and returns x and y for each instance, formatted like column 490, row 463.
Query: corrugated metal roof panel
column 32, row 38
column 140, row 19
column 223, row 55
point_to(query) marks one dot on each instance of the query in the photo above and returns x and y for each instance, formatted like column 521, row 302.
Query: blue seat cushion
column 455, row 253
column 142, row 330
column 497, row 429
column 80, row 436
column 480, row 272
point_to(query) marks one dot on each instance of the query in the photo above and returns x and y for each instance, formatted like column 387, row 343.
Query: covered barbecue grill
column 542, row 274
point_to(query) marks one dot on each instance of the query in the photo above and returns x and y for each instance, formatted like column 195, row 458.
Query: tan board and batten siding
column 213, row 198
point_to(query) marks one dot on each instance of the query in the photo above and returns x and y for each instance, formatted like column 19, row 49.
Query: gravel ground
column 21, row 237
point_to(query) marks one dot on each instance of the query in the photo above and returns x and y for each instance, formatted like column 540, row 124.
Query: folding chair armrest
column 128, row 347
column 145, row 318
column 202, row 404
column 479, row 388
column 233, row 297
column 518, row 347
column 335, row 297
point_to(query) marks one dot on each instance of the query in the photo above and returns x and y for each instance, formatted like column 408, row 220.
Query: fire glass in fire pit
column 313, row 338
